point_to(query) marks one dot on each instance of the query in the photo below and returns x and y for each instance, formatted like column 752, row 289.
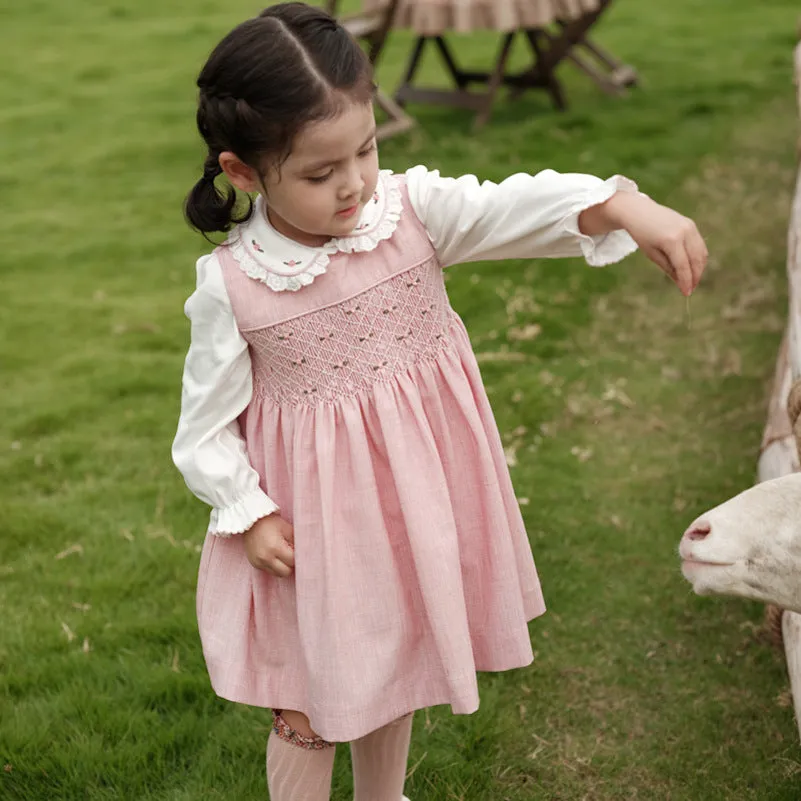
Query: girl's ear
column 240, row 175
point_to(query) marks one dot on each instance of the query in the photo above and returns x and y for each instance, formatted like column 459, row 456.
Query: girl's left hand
column 666, row 237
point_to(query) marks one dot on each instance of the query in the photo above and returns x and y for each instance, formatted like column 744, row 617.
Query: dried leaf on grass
column 524, row 333
column 521, row 301
column 748, row 300
column 416, row 765
column 790, row 767
column 548, row 429
column 582, row 454
column 76, row 548
column 615, row 393
column 510, row 452
column 160, row 532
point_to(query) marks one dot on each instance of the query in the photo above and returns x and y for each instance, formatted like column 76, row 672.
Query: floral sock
column 379, row 762
column 298, row 768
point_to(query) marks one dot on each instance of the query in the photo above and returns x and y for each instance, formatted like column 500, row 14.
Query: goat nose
column 698, row 530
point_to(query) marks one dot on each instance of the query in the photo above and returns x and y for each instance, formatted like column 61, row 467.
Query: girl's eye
column 320, row 179
column 367, row 151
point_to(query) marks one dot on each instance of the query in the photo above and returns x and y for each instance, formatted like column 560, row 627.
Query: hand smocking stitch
column 347, row 347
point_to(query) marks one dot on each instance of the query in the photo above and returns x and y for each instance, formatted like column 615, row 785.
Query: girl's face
column 320, row 190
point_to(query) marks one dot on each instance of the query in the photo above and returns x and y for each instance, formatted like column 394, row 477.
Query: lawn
column 624, row 414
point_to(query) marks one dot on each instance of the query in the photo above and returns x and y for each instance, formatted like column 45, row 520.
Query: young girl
column 366, row 554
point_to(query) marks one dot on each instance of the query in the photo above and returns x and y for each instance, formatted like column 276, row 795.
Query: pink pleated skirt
column 413, row 568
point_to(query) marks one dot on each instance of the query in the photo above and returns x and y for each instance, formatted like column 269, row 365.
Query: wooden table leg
column 399, row 121
column 411, row 71
column 459, row 76
column 495, row 81
column 543, row 68
column 617, row 74
column 610, row 74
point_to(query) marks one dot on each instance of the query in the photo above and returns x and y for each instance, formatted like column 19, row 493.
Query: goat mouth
column 702, row 563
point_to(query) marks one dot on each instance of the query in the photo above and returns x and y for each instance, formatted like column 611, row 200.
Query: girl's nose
column 353, row 185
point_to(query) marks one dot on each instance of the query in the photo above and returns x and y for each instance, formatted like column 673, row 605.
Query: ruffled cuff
column 605, row 248
column 240, row 516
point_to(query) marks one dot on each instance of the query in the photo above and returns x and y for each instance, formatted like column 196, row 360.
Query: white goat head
column 749, row 546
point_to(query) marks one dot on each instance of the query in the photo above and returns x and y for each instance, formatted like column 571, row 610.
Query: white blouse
column 525, row 216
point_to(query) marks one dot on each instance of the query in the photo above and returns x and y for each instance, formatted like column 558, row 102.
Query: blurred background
column 625, row 412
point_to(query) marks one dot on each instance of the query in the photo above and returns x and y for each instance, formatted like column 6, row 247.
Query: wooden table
column 554, row 30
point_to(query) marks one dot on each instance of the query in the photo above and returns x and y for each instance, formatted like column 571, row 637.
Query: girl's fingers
column 698, row 254
column 278, row 568
column 680, row 265
column 661, row 260
column 286, row 555
column 279, row 561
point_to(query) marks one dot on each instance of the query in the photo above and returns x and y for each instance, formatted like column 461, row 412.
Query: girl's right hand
column 268, row 545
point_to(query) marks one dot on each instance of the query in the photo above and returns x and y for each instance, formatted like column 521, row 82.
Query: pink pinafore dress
column 370, row 427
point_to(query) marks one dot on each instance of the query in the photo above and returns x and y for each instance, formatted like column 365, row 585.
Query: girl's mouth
column 349, row 212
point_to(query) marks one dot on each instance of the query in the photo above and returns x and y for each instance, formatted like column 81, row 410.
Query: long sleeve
column 525, row 216
column 217, row 386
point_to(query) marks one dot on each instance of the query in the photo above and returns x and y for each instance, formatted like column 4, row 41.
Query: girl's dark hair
column 266, row 80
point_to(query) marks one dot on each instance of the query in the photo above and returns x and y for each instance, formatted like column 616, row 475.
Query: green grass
column 625, row 422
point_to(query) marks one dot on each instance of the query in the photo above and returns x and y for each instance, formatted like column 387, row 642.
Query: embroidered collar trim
column 283, row 265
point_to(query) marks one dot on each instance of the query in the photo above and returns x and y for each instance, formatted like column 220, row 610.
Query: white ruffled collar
column 283, row 264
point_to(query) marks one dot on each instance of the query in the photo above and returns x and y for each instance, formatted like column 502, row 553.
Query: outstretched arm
column 553, row 215
column 523, row 217
column 669, row 239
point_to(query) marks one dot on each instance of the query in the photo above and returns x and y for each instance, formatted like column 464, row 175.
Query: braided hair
column 263, row 83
